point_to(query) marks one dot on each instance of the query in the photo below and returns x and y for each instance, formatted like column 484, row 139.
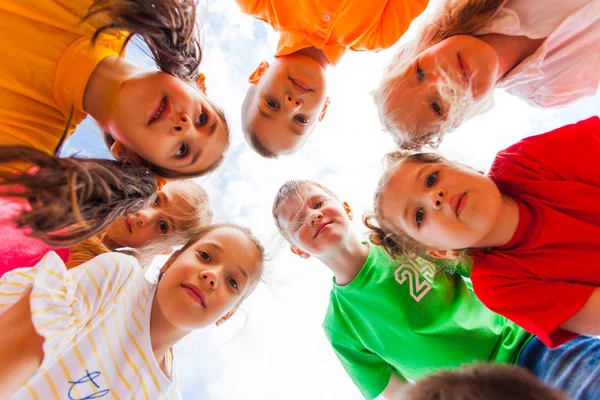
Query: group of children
column 84, row 320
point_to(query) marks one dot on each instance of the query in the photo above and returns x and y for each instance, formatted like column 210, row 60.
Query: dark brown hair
column 482, row 382
column 72, row 199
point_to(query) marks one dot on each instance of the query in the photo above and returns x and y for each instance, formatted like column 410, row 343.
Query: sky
column 274, row 347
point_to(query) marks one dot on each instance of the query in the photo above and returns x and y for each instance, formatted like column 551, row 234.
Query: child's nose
column 182, row 126
column 437, row 197
column 292, row 103
column 315, row 218
column 210, row 278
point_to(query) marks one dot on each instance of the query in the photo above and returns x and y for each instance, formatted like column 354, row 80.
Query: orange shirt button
column 326, row 17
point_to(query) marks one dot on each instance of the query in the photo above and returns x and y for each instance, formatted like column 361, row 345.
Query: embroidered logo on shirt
column 89, row 377
column 419, row 274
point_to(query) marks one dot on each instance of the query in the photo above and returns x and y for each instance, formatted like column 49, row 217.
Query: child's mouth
column 300, row 86
column 321, row 229
column 161, row 111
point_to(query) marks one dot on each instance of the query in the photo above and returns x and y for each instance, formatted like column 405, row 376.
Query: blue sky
column 274, row 348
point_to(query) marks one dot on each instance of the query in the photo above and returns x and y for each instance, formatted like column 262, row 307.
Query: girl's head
column 207, row 280
column 440, row 79
column 427, row 205
column 162, row 119
column 180, row 209
column 311, row 217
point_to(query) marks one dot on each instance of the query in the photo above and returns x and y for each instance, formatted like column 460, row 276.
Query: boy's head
column 283, row 104
column 311, row 217
column 482, row 382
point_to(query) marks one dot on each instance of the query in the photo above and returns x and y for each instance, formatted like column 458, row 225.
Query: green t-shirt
column 404, row 316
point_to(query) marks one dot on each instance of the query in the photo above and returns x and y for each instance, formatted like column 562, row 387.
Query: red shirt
column 548, row 270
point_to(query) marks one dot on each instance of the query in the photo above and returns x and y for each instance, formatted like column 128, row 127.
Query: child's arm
column 393, row 390
column 587, row 320
column 20, row 348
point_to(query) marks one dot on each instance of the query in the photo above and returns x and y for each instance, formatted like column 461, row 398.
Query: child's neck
column 163, row 335
column 346, row 261
column 103, row 86
column 508, row 221
column 316, row 54
column 511, row 50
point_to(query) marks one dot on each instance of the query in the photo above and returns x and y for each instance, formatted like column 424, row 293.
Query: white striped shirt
column 95, row 320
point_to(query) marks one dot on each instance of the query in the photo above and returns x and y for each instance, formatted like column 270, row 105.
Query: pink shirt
column 566, row 67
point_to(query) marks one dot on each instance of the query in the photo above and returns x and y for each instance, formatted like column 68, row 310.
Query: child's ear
column 299, row 252
column 121, row 152
column 348, row 210
column 258, row 72
column 447, row 254
column 225, row 317
column 170, row 261
column 324, row 109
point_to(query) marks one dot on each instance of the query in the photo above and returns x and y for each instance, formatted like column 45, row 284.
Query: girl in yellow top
column 103, row 330
column 63, row 60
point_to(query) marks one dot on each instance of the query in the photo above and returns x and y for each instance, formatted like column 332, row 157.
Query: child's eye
column 182, row 152
column 204, row 255
column 435, row 107
column 419, row 217
column 272, row 103
column 420, row 73
column 164, row 227
column 234, row 284
column 319, row 203
column 202, row 119
column 301, row 119
column 156, row 202
column 431, row 179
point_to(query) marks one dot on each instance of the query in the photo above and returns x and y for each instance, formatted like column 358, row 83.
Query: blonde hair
column 454, row 17
column 293, row 188
column 198, row 211
column 383, row 232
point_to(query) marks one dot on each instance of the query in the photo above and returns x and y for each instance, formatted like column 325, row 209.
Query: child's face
column 314, row 222
column 287, row 103
column 464, row 60
column 442, row 206
column 163, row 120
column 152, row 223
column 206, row 281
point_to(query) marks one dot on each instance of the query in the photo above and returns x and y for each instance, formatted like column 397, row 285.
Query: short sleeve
column 62, row 303
column 370, row 373
column 536, row 305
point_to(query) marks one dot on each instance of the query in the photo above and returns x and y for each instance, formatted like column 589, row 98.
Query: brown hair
column 454, row 17
column 72, row 199
column 196, row 204
column 482, row 382
column 382, row 231
column 248, row 134
column 259, row 248
column 293, row 188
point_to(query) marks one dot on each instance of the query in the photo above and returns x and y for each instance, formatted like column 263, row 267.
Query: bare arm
column 21, row 348
column 587, row 320
column 394, row 388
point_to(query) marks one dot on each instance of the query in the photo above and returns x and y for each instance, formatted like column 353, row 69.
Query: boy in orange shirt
column 288, row 97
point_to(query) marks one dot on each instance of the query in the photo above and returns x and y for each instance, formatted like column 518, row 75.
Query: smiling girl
column 105, row 330
column 531, row 227
column 67, row 64
column 545, row 52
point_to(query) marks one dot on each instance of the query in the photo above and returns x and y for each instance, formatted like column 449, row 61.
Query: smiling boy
column 287, row 98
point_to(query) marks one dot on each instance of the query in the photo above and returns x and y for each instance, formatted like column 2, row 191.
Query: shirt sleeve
column 370, row 373
column 252, row 7
column 538, row 306
column 568, row 153
column 63, row 303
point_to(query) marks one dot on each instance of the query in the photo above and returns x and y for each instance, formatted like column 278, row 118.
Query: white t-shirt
column 566, row 67
column 95, row 321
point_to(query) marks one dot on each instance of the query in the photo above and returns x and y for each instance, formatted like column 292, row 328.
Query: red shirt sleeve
column 536, row 305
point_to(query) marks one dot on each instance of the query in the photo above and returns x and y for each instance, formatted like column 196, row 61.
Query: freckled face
column 441, row 206
column 208, row 279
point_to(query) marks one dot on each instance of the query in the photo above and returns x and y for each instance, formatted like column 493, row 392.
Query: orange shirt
column 335, row 25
